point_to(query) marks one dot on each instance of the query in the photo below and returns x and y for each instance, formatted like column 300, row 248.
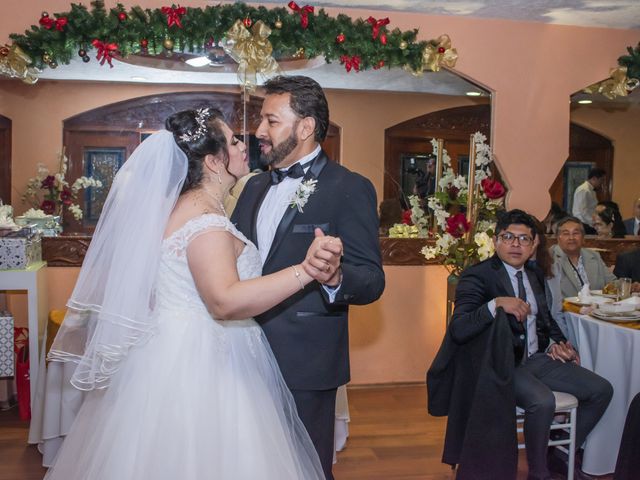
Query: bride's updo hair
column 198, row 133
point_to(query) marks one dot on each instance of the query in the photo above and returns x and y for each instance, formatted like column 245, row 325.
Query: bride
column 182, row 382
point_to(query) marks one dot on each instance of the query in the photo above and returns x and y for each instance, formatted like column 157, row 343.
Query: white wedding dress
column 202, row 399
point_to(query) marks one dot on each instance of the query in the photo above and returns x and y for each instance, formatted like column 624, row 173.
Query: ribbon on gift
column 106, row 51
column 173, row 15
column 303, row 11
column 252, row 50
column 14, row 63
column 49, row 23
column 617, row 85
column 375, row 28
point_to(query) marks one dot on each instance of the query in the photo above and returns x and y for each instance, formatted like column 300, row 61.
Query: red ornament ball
column 247, row 22
column 340, row 38
column 44, row 15
column 381, row 64
column 441, row 50
column 122, row 16
column 144, row 43
column 82, row 52
column 383, row 39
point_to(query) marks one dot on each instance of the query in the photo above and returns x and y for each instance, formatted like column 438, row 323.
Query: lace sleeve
column 177, row 244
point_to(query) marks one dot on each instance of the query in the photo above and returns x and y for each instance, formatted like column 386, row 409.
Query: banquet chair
column 566, row 407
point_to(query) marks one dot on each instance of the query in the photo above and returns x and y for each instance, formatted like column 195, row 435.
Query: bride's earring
column 219, row 177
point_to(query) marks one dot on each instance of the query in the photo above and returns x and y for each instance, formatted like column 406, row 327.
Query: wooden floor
column 391, row 437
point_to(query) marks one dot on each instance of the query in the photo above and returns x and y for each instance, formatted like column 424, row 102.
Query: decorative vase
column 452, row 284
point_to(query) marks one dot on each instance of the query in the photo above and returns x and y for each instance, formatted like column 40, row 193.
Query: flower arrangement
column 50, row 194
column 463, row 239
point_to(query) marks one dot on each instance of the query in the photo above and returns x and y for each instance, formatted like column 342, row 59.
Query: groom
column 309, row 332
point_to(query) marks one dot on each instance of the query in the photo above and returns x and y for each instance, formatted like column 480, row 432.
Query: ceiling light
column 473, row 94
column 585, row 102
column 138, row 79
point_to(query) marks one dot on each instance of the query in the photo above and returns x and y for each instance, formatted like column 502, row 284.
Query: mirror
column 603, row 134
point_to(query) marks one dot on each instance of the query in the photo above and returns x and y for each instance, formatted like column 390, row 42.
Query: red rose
column 457, row 225
column 66, row 196
column 492, row 188
column 406, row 217
column 48, row 207
column 48, row 182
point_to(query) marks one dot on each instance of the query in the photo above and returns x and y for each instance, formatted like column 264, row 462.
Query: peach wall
column 621, row 126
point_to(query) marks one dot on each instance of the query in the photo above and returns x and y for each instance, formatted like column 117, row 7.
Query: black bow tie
column 295, row 171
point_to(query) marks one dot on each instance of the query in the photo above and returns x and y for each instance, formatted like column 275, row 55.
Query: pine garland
column 138, row 30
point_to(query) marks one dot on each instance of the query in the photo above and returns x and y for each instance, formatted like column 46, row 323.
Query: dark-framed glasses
column 523, row 239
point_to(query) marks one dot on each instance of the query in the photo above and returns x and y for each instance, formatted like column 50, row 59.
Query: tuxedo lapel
column 290, row 213
column 503, row 277
column 262, row 187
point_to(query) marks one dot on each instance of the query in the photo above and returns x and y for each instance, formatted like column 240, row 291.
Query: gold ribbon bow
column 435, row 54
column 618, row 85
column 14, row 63
column 252, row 50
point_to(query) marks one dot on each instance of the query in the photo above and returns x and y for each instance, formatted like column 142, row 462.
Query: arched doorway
column 587, row 149
column 99, row 141
column 411, row 138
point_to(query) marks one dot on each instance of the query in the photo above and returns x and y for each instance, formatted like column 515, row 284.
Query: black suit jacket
column 630, row 225
column 628, row 265
column 308, row 335
column 482, row 283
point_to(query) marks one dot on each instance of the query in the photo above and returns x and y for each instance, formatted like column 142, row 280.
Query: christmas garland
column 295, row 32
column 623, row 79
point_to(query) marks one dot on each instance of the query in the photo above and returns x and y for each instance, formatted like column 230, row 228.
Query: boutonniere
column 301, row 196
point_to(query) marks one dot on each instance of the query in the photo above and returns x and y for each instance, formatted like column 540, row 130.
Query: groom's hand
column 323, row 259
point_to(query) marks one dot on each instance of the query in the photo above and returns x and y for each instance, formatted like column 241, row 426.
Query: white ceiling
column 592, row 13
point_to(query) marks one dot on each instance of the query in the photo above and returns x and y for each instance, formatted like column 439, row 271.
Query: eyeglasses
column 523, row 239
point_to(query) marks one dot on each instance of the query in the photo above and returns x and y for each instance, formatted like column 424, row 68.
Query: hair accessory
column 202, row 114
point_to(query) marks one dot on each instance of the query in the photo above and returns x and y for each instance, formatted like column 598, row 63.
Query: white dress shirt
column 273, row 208
column 275, row 204
column 532, row 333
column 584, row 203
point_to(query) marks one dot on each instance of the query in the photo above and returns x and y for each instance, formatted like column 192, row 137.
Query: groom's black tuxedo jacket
column 308, row 335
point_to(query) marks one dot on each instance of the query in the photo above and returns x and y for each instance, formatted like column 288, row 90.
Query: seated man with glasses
column 505, row 289
column 577, row 265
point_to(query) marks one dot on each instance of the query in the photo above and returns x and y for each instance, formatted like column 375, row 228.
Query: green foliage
column 199, row 25
column 632, row 62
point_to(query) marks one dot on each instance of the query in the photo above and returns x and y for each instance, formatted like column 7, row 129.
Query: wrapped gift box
column 7, row 362
column 19, row 250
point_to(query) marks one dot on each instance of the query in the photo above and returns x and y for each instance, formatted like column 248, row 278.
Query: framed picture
column 575, row 173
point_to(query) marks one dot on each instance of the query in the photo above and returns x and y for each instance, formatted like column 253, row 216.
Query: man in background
column 632, row 225
column 585, row 198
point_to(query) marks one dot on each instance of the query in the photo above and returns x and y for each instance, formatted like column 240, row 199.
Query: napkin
column 635, row 301
column 584, row 295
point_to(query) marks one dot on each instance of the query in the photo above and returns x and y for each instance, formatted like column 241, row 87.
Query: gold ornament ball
column 168, row 44
column 403, row 45
column 53, row 64
column 278, row 24
column 299, row 53
column 46, row 58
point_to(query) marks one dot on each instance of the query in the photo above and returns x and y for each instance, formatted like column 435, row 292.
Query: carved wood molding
column 65, row 251
column 69, row 251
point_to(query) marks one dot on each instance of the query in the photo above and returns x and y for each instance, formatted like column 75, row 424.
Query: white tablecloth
column 613, row 352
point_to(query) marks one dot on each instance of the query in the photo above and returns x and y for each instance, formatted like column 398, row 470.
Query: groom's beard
column 279, row 152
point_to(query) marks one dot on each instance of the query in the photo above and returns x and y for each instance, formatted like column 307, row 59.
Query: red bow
column 349, row 63
column 304, row 13
column 106, row 51
column 173, row 15
column 59, row 23
column 375, row 28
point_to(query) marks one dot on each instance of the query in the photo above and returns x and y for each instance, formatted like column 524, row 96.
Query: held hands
column 323, row 259
column 564, row 352
column 514, row 306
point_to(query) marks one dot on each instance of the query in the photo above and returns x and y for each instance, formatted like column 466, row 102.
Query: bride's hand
column 322, row 262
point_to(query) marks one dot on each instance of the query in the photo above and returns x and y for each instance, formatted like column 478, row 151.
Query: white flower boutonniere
column 301, row 196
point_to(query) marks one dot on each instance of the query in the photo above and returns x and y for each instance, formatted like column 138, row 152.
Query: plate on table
column 577, row 301
column 616, row 317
